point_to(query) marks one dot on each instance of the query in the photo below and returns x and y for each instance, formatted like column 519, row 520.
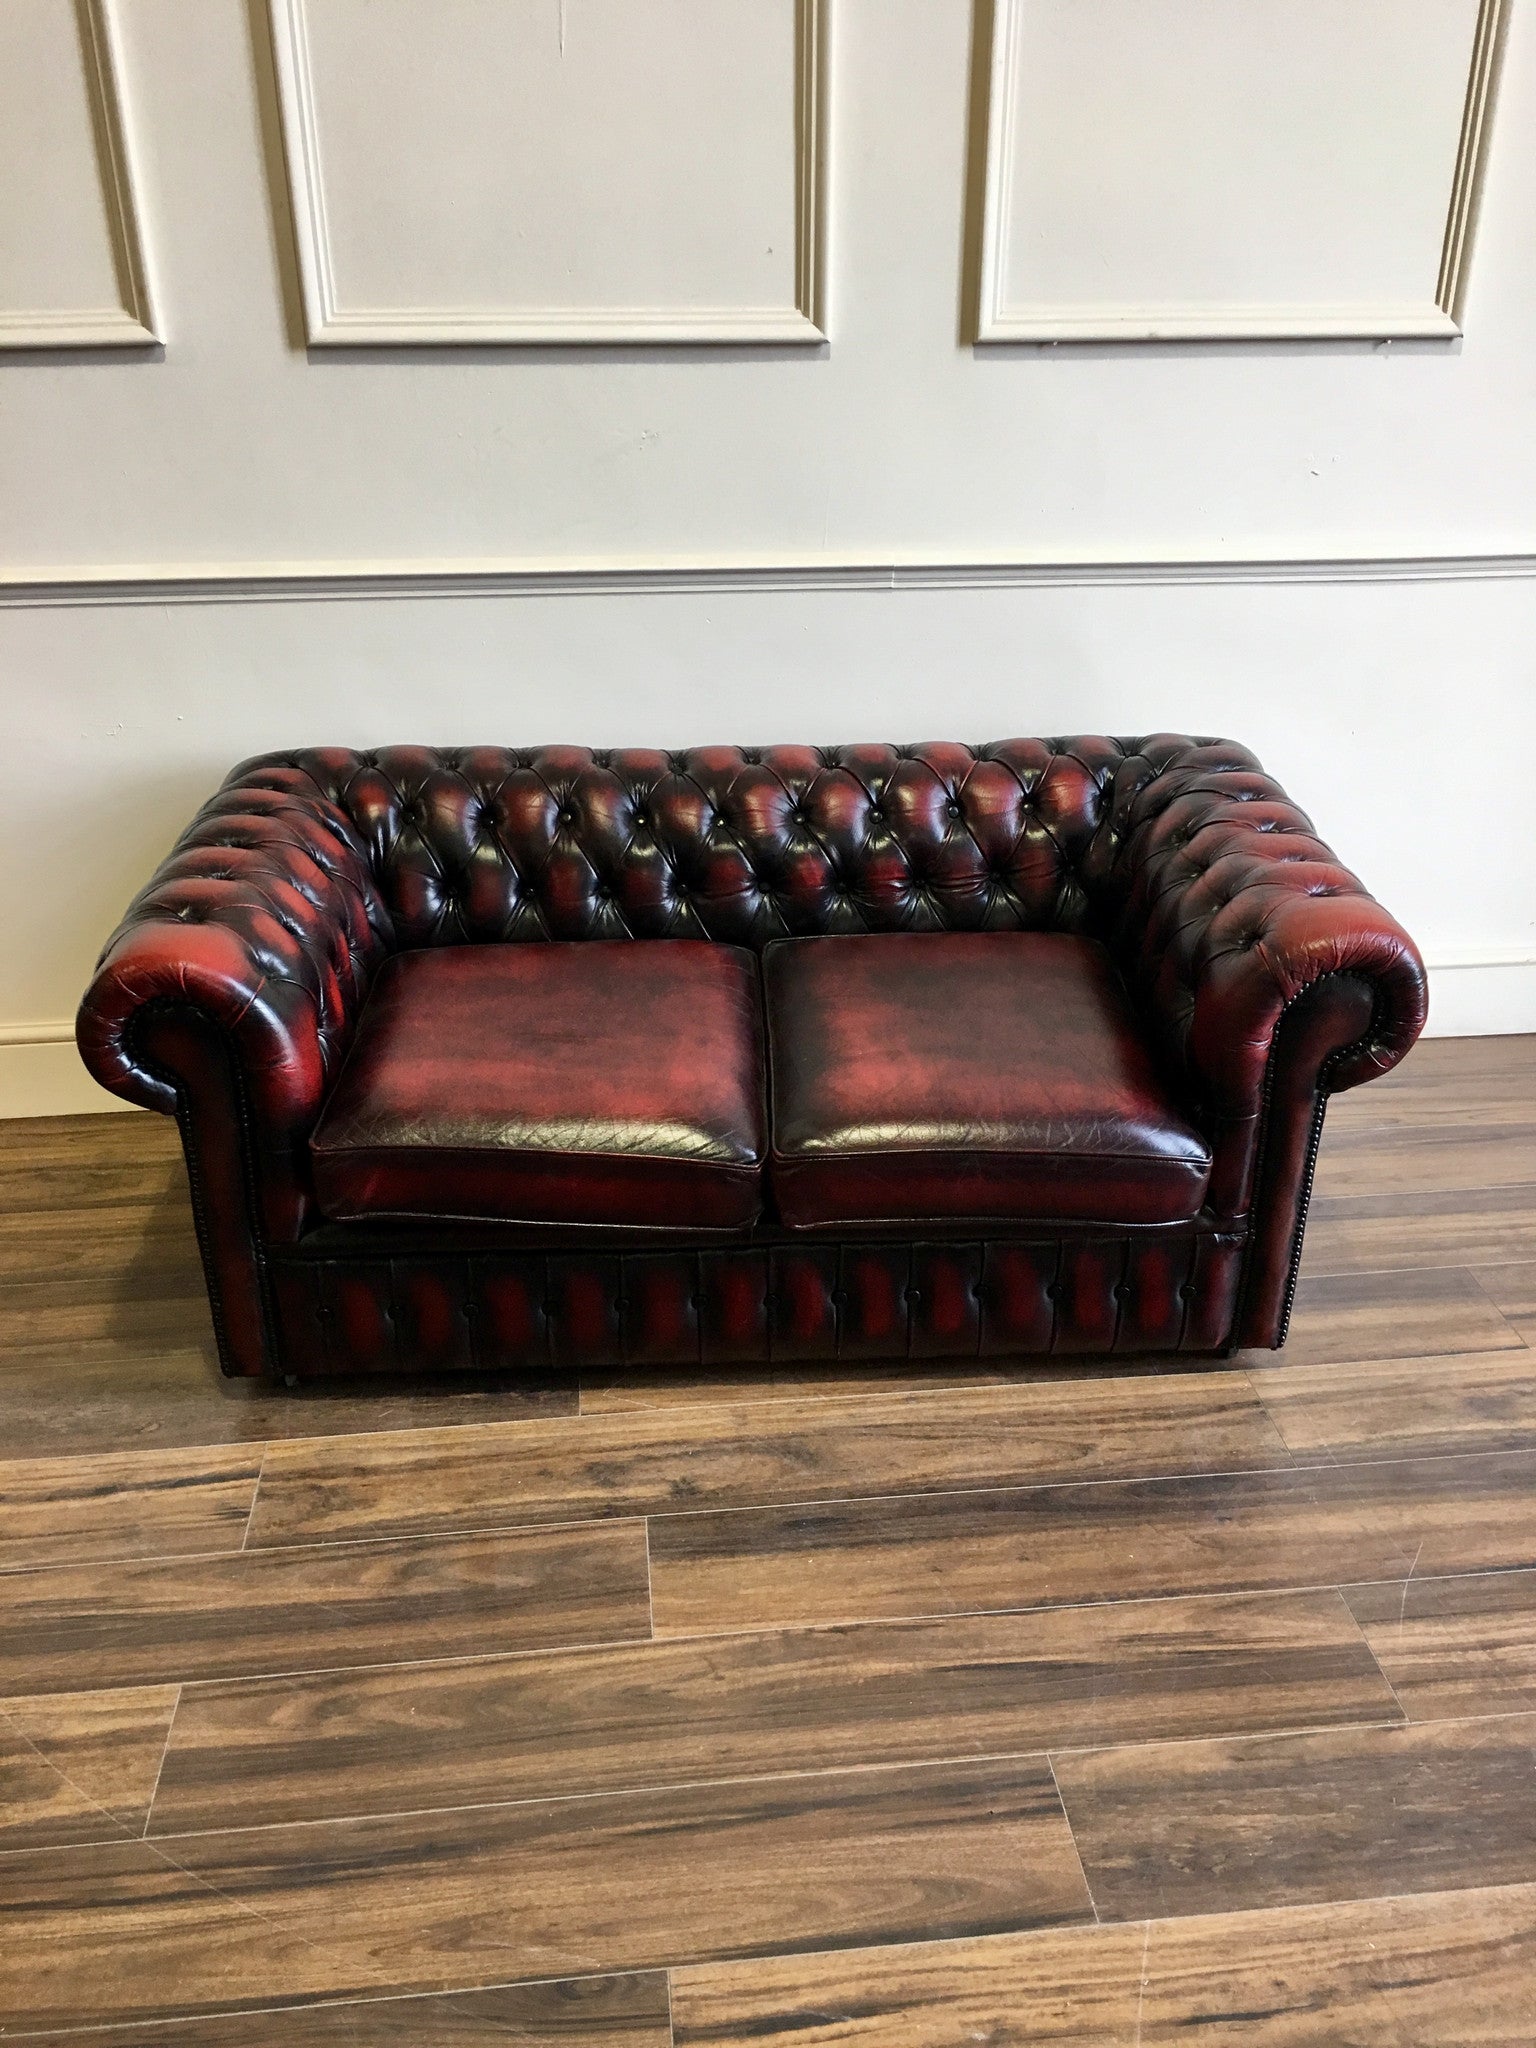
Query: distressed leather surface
column 1218, row 902
column 968, row 1074
column 599, row 1084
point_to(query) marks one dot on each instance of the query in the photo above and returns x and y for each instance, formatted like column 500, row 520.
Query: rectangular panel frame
column 1437, row 319
column 328, row 324
column 133, row 322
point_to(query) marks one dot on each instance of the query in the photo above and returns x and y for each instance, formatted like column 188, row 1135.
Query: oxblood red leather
column 590, row 1084
column 968, row 1074
column 1263, row 975
column 350, row 1308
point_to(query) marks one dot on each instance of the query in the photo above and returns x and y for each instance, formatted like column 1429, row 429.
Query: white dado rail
column 184, row 583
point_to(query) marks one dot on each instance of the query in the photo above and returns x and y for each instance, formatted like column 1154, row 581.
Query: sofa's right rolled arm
column 1269, row 975
column 1231, row 909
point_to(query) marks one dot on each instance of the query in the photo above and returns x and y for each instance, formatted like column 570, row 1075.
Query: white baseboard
column 41, row 1074
column 1482, row 997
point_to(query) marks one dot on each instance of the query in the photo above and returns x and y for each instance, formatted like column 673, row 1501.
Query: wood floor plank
column 1275, row 1820
column 125, row 1504
column 571, row 2012
column 47, row 1322
column 1459, row 1227
column 1064, row 1545
column 1512, row 1290
column 1075, row 1987
column 1454, row 1646
column 76, row 1162
column 157, row 1622
column 742, row 1455
column 1442, row 1970
column 677, row 1387
column 144, row 1389
column 1383, row 1408
column 493, row 1894
column 1340, row 1317
column 1428, row 1158
column 81, row 1766
column 147, row 1244
column 271, row 1750
column 682, row 1387
column 1444, row 1080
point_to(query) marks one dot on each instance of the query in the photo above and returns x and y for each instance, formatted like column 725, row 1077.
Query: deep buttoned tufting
column 1260, row 971
column 726, row 843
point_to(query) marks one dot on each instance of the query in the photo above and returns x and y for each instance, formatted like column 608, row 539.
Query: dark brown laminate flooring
column 1105, row 1703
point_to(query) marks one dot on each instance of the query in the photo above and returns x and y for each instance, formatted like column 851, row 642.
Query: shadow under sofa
column 510, row 1060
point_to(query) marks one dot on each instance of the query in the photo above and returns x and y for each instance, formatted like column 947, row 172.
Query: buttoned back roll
column 732, row 843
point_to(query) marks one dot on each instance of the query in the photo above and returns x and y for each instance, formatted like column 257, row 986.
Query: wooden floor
column 1109, row 1706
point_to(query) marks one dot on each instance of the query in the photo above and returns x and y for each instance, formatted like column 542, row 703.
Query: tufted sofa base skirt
column 496, row 1311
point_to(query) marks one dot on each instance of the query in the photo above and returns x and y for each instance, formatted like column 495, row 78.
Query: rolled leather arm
column 1269, row 975
column 259, row 936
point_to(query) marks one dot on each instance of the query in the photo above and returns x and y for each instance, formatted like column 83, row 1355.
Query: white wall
column 239, row 541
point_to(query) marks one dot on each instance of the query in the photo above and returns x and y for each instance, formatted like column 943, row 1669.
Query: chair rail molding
column 57, row 587
column 995, row 318
column 331, row 323
column 133, row 322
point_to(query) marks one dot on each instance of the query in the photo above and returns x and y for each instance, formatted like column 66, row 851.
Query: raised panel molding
column 132, row 322
column 330, row 322
column 998, row 316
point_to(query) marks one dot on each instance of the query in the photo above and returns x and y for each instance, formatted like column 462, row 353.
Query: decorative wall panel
column 1161, row 169
column 556, row 171
column 72, row 264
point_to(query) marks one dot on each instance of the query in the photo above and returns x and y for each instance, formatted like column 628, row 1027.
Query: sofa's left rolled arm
column 227, row 996
column 265, row 919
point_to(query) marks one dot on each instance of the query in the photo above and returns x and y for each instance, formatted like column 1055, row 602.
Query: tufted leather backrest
column 730, row 843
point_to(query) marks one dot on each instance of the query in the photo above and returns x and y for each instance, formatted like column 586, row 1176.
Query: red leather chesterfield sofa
column 888, row 1052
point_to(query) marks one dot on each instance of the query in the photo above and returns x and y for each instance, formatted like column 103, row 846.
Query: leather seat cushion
column 600, row 1082
column 968, row 1074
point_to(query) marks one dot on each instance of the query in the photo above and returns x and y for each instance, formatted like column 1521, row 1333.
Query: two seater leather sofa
column 520, row 1060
